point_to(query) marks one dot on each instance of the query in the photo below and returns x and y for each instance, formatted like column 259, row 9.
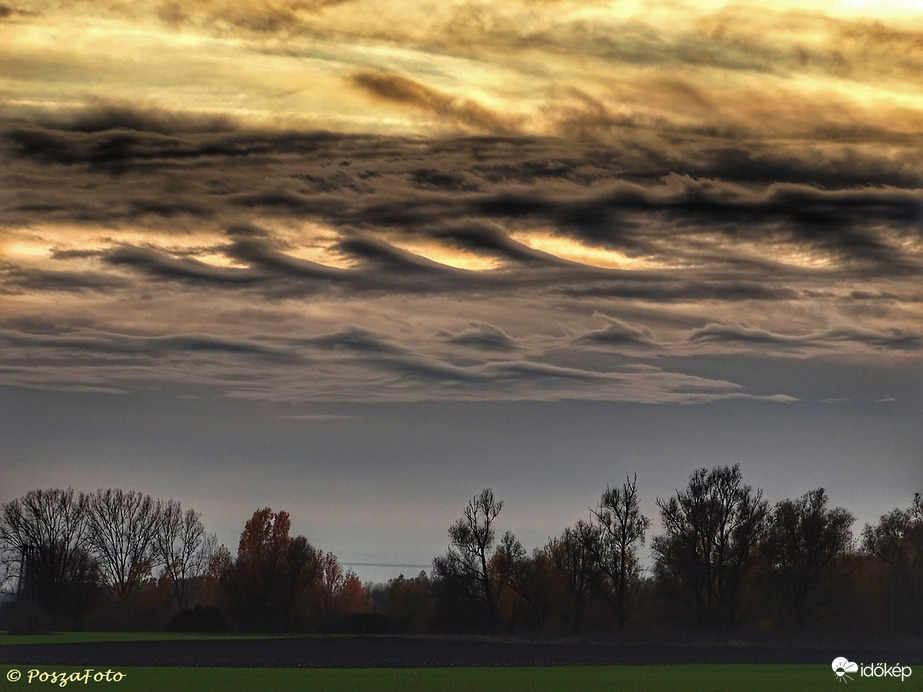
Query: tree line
column 726, row 561
column 116, row 559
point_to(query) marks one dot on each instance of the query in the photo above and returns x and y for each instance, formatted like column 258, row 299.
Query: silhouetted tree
column 298, row 577
column 712, row 529
column 183, row 548
column 339, row 591
column 538, row 587
column 279, row 582
column 897, row 540
column 261, row 583
column 464, row 570
column 120, row 535
column 574, row 556
column 805, row 542
column 43, row 535
column 507, row 567
column 622, row 528
column 215, row 588
column 407, row 603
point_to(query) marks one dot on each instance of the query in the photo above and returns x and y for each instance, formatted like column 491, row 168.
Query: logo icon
column 842, row 666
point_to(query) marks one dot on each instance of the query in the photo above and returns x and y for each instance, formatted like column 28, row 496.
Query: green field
column 90, row 637
column 751, row 678
column 655, row 678
column 698, row 678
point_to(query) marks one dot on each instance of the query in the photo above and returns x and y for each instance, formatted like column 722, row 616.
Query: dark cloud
column 282, row 17
column 101, row 116
column 352, row 364
column 618, row 333
column 467, row 194
column 258, row 253
column 487, row 178
column 490, row 239
column 893, row 339
column 164, row 266
column 102, row 346
column 11, row 13
column 431, row 178
column 678, row 241
column 390, row 258
column 137, row 139
column 886, row 296
column 17, row 279
column 355, row 339
column 844, row 166
column 459, row 112
column 481, row 335
column 662, row 288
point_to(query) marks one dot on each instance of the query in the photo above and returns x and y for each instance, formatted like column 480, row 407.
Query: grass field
column 627, row 678
column 698, row 678
column 655, row 678
column 89, row 637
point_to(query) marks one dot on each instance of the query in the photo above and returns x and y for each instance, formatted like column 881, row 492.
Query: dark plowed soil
column 417, row 651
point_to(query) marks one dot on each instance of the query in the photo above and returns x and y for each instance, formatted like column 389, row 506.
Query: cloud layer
column 538, row 201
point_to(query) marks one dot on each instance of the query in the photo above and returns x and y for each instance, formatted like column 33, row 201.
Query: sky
column 358, row 260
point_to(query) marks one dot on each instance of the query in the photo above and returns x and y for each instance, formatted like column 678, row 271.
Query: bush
column 199, row 619
column 368, row 623
column 27, row 617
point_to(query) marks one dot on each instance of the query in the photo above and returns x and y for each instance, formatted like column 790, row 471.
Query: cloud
column 482, row 336
column 258, row 16
column 355, row 339
column 320, row 417
column 661, row 287
column 390, row 258
column 11, row 14
column 14, row 279
column 460, row 112
column 108, row 344
column 354, row 364
column 678, row 218
column 163, row 266
column 101, row 115
column 491, row 239
column 618, row 333
column 463, row 267
column 723, row 338
column 890, row 339
column 431, row 178
column 260, row 253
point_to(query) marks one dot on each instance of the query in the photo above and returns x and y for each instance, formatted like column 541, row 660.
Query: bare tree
column 466, row 563
column 622, row 529
column 121, row 536
column 804, row 540
column 508, row 567
column 712, row 529
column 182, row 547
column 897, row 540
column 42, row 535
column 574, row 557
